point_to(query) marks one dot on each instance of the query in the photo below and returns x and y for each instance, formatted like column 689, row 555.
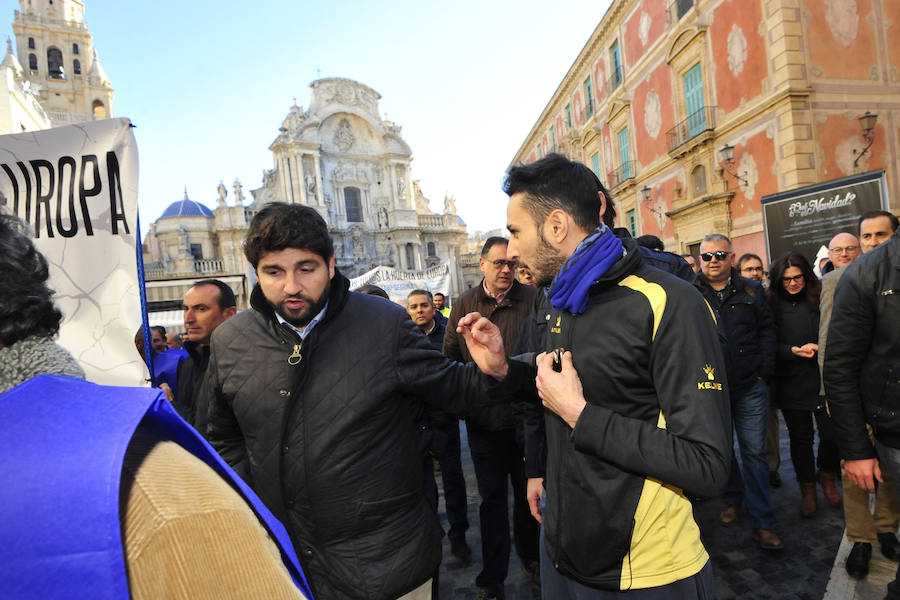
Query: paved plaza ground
column 811, row 566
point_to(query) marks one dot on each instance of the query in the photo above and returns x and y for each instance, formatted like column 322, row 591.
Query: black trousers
column 801, row 432
column 496, row 457
column 455, row 499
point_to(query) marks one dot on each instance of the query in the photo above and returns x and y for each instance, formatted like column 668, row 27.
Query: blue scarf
column 591, row 259
column 61, row 456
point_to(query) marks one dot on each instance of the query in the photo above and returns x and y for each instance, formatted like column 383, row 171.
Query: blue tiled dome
column 459, row 220
column 186, row 208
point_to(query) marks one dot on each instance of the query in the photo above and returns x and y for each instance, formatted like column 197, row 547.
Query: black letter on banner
column 37, row 165
column 83, row 193
column 116, row 205
column 27, row 192
column 65, row 161
column 15, row 186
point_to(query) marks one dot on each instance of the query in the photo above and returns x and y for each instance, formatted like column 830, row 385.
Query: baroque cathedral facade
column 340, row 158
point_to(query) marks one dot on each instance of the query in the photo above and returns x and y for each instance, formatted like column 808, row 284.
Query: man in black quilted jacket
column 308, row 395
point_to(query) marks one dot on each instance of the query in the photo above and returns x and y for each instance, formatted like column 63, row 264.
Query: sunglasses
column 720, row 255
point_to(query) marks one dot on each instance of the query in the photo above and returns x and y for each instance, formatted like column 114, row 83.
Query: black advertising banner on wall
column 806, row 219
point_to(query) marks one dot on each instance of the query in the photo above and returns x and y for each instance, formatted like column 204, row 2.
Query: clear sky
column 209, row 83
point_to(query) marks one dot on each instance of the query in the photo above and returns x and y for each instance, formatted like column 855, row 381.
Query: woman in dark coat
column 794, row 298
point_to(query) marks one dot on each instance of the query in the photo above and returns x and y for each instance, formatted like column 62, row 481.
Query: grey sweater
column 33, row 356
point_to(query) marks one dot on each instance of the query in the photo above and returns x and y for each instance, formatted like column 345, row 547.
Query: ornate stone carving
column 238, row 192
column 644, row 28
column 652, row 114
column 343, row 136
column 737, row 50
column 843, row 19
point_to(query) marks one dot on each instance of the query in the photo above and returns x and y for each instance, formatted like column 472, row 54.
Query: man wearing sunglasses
column 749, row 327
column 496, row 454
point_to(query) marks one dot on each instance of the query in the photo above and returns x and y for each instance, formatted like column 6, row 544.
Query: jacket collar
column 513, row 294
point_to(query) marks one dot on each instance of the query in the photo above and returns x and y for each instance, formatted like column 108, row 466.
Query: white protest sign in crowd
column 398, row 284
column 76, row 188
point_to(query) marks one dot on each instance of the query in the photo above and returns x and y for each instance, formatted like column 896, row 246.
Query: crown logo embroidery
column 710, row 372
column 558, row 319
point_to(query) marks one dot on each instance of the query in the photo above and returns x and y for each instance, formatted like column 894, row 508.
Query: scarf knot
column 591, row 260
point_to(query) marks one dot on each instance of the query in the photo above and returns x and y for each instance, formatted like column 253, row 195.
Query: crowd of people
column 602, row 381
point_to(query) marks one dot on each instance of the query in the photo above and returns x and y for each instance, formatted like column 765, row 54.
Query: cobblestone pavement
column 801, row 570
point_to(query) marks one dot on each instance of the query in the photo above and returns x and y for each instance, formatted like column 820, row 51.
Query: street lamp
column 727, row 161
column 646, row 191
column 867, row 123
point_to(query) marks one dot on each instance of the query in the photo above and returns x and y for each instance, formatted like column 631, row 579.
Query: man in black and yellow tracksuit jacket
column 653, row 418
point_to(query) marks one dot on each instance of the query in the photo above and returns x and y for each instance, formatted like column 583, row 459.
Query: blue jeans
column 749, row 485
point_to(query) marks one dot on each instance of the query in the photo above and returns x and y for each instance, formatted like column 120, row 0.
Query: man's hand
column 863, row 473
column 560, row 391
column 535, row 489
column 806, row 350
column 485, row 344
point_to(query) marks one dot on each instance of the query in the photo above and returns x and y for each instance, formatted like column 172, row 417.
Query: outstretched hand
column 485, row 344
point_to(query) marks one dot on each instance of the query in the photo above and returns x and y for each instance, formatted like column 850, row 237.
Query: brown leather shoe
column 829, row 490
column 730, row 515
column 808, row 504
column 767, row 540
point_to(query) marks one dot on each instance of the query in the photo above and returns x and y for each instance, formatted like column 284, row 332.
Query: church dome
column 186, row 208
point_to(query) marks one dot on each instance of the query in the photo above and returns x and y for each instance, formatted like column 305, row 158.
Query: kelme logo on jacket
column 556, row 328
column 710, row 383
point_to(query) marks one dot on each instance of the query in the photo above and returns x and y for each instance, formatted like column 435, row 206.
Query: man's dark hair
column 491, row 242
column 226, row 294
column 26, row 304
column 872, row 214
column 372, row 290
column 556, row 182
column 421, row 293
column 749, row 256
column 160, row 329
column 279, row 226
column 650, row 241
column 440, row 294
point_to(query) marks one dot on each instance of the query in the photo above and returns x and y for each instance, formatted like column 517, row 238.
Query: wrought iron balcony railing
column 696, row 123
column 622, row 173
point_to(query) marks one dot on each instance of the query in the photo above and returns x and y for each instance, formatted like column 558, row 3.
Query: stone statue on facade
column 449, row 205
column 401, row 190
column 238, row 192
column 310, row 184
column 222, row 192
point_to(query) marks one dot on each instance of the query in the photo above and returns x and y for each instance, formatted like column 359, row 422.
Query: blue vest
column 61, row 455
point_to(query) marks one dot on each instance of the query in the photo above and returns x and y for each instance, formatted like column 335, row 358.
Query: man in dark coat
column 862, row 360
column 443, row 438
column 496, row 455
column 308, row 396
column 749, row 328
column 208, row 304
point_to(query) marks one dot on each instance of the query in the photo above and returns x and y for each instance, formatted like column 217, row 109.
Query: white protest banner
column 399, row 283
column 76, row 188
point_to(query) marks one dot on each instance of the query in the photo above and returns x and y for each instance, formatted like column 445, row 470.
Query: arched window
column 410, row 257
column 353, row 205
column 698, row 180
column 432, row 251
column 99, row 110
column 55, row 63
column 32, row 62
column 31, row 43
column 76, row 67
column 74, row 48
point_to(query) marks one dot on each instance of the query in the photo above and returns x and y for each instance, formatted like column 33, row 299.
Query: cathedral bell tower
column 58, row 57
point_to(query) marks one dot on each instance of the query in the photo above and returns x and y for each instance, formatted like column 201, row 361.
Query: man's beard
column 305, row 315
column 546, row 263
